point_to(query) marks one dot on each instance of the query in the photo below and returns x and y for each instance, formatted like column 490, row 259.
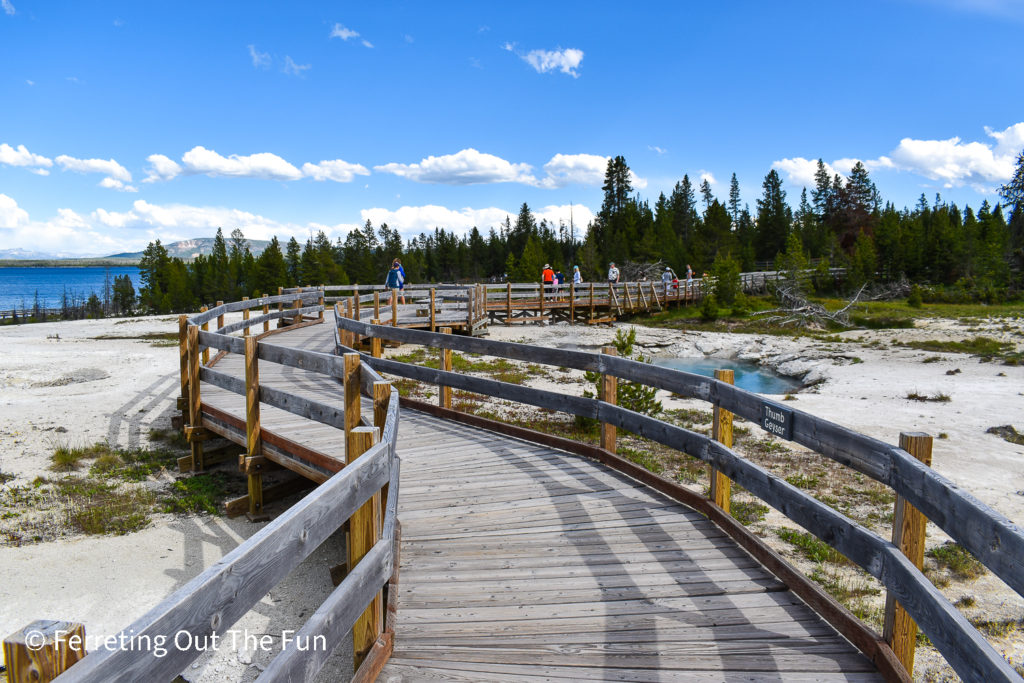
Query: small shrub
column 958, row 560
column 937, row 398
column 199, row 493
column 802, row 481
column 915, row 298
column 811, row 547
column 747, row 512
column 115, row 512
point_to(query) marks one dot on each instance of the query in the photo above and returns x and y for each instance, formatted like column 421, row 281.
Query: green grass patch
column 116, row 512
column 998, row 628
column 747, row 512
column 804, row 481
column 199, row 493
column 1008, row 433
column 642, row 458
column 5, row 477
column 69, row 458
column 957, row 560
column 986, row 348
column 935, row 398
column 811, row 547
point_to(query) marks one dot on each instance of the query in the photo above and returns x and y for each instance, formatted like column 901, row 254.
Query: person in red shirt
column 548, row 276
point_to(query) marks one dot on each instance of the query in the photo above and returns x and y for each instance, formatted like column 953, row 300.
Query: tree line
column 840, row 222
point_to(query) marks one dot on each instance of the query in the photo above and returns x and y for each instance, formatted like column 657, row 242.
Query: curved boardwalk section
column 521, row 562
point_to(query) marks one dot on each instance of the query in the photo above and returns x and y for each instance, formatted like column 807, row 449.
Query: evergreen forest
column 970, row 254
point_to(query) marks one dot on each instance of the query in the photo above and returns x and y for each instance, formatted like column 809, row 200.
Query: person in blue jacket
column 394, row 282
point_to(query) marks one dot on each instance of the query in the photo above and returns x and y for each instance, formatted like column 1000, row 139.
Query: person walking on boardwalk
column 666, row 279
column 548, row 276
column 394, row 283
column 577, row 277
column 689, row 278
column 558, row 282
column 613, row 273
column 401, row 287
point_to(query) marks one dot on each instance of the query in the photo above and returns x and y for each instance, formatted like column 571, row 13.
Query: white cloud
column 657, row 150
column 8, row 7
column 337, row 170
column 585, row 169
column 30, row 82
column 21, row 157
column 293, row 69
column 410, row 221
column 11, row 215
column 40, row 171
column 114, row 184
column 577, row 214
column 340, row 31
column 117, row 178
column 566, row 61
column 161, row 168
column 952, row 162
column 262, row 165
column 466, row 167
column 708, row 176
column 260, row 60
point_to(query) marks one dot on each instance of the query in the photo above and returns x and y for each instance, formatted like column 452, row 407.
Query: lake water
column 749, row 376
column 18, row 286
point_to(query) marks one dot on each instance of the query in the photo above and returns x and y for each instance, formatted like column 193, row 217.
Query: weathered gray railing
column 996, row 541
column 208, row 605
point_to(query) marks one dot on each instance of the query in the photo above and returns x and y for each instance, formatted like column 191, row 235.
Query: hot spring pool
column 749, row 376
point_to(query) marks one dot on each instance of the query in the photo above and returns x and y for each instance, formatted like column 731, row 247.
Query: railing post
column 266, row 311
column 609, row 393
column 205, row 327
column 245, row 316
column 320, row 301
column 376, row 305
column 364, row 531
column 591, row 300
column 183, row 358
column 720, row 491
column 43, row 650
column 280, row 305
column 195, row 416
column 353, row 409
column 355, row 300
column 297, row 304
column 433, row 319
column 508, row 303
column 375, row 342
column 445, row 396
column 394, row 308
column 220, row 319
column 908, row 534
column 253, row 434
column 349, row 337
column 542, row 300
column 572, row 303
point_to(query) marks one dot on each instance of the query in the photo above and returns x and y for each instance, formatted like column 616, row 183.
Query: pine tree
column 705, row 192
column 293, row 257
column 773, row 218
column 734, row 201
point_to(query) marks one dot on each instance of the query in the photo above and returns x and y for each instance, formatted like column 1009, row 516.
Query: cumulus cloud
column 293, row 69
column 263, row 165
column 260, row 60
column 953, row 162
column 8, row 7
column 707, row 176
column 161, row 168
column 657, row 150
column 566, row 61
column 584, row 169
column 467, row 167
column 118, row 177
column 11, row 215
column 412, row 220
column 20, row 156
column 337, row 170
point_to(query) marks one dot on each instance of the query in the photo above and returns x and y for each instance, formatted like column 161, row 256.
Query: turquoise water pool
column 749, row 376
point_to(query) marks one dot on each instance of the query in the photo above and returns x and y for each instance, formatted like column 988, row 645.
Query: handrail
column 997, row 542
column 210, row 604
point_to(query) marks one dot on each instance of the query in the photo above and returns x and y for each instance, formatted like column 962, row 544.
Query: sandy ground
column 61, row 386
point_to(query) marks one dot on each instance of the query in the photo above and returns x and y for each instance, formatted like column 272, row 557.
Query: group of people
column 553, row 279
column 668, row 278
column 395, row 281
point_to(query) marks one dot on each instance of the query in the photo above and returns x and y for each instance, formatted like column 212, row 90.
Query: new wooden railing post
column 355, row 301
column 908, row 534
column 433, row 317
column 280, row 305
column 43, row 650
column 609, row 393
column 320, row 301
column 508, row 303
column 364, row 532
column 220, row 319
column 349, row 338
column 245, row 316
column 445, row 396
column 541, row 301
column 375, row 342
column 394, row 308
column 253, row 434
column 376, row 305
column 205, row 327
column 195, row 416
column 266, row 311
column 720, row 491
column 353, row 409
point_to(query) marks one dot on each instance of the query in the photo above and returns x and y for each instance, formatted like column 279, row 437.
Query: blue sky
column 123, row 122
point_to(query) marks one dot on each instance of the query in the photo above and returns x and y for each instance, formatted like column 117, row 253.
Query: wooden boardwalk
column 520, row 562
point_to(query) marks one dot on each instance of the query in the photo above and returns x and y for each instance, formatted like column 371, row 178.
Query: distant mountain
column 189, row 249
column 24, row 254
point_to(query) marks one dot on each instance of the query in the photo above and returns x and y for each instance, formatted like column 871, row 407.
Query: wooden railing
column 363, row 492
column 996, row 541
